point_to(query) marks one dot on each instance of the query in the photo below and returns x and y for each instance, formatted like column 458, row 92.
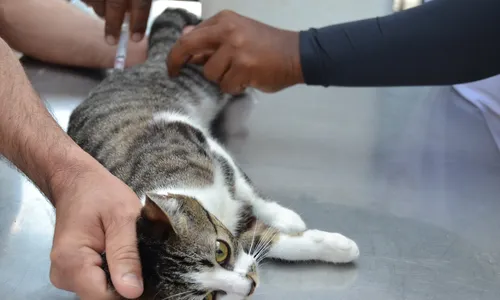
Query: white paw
column 333, row 247
column 284, row 219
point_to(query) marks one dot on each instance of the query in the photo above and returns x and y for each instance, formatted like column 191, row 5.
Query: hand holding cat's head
column 186, row 253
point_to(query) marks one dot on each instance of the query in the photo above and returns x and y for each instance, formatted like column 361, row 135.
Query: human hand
column 95, row 212
column 114, row 13
column 238, row 52
column 137, row 53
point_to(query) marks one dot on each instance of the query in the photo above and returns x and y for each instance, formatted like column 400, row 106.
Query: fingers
column 235, row 81
column 97, row 5
column 139, row 18
column 77, row 270
column 187, row 29
column 198, row 41
column 122, row 254
column 218, row 64
column 115, row 14
column 200, row 59
column 94, row 281
column 208, row 22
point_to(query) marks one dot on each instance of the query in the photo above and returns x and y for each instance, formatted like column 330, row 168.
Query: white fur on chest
column 216, row 197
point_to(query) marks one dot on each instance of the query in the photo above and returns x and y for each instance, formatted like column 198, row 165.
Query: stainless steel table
column 412, row 174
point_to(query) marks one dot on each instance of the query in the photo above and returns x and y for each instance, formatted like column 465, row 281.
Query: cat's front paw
column 333, row 247
column 284, row 219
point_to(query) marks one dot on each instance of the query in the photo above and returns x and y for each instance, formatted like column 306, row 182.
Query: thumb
column 123, row 257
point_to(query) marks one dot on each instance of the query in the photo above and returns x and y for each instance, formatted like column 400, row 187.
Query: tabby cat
column 203, row 228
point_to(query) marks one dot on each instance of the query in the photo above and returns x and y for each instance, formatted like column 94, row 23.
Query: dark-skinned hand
column 238, row 52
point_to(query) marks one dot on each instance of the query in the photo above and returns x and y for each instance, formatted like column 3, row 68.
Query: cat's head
column 186, row 253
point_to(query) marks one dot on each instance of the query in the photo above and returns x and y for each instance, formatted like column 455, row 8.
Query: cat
column 204, row 228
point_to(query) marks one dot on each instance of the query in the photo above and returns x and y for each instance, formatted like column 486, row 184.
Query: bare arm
column 29, row 136
column 95, row 211
column 55, row 31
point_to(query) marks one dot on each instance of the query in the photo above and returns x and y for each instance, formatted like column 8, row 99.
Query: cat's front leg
column 263, row 241
column 279, row 217
column 269, row 212
column 314, row 245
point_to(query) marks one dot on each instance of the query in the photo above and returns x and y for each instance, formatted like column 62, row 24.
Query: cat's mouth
column 238, row 285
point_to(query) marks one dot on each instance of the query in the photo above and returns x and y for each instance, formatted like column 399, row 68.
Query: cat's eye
column 210, row 296
column 222, row 253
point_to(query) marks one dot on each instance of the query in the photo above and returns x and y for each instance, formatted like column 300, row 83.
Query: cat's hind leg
column 236, row 114
column 270, row 212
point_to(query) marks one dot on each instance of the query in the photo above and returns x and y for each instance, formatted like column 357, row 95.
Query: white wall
column 300, row 14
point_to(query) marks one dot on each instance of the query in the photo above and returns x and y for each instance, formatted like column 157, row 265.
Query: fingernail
column 132, row 280
column 111, row 40
column 136, row 37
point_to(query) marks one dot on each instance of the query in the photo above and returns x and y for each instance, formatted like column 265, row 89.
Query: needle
column 121, row 51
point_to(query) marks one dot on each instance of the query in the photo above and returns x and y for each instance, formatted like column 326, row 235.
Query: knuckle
column 228, row 28
column 124, row 253
column 57, row 269
column 56, row 255
column 226, row 13
column 122, row 218
column 116, row 220
column 238, row 40
column 245, row 61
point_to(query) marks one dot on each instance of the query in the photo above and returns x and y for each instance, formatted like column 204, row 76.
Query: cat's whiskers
column 154, row 297
column 183, row 294
column 264, row 250
column 253, row 239
column 263, row 254
column 265, row 239
column 190, row 297
column 260, row 243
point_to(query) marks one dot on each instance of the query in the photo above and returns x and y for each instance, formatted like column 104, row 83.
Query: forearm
column 440, row 43
column 55, row 31
column 29, row 137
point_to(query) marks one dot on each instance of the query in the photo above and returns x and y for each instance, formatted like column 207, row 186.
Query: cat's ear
column 162, row 223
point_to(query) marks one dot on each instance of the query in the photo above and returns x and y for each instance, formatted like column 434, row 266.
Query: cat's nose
column 252, row 288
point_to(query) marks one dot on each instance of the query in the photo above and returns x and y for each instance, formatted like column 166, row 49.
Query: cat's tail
column 166, row 29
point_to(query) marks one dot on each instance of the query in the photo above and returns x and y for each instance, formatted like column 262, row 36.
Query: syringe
column 121, row 51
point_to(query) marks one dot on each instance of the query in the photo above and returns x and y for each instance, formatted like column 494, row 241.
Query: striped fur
column 153, row 132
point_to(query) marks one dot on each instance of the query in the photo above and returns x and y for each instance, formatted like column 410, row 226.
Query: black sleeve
column 442, row 42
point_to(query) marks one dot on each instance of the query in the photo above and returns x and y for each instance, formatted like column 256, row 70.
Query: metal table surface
column 411, row 174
